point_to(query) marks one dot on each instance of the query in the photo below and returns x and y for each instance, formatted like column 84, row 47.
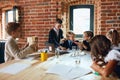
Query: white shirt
column 113, row 55
column 57, row 31
column 13, row 52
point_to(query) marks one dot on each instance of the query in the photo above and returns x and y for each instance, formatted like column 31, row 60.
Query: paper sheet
column 14, row 68
column 77, row 72
column 59, row 69
column 68, row 72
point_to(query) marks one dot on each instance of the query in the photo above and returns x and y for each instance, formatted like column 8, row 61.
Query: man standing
column 56, row 33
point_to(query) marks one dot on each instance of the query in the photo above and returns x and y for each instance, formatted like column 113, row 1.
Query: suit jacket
column 54, row 38
column 68, row 44
column 13, row 52
column 86, row 43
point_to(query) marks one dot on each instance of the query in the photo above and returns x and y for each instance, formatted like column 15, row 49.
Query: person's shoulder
column 76, row 41
column 60, row 29
column 115, row 48
column 85, row 42
column 114, row 52
column 10, row 39
column 52, row 30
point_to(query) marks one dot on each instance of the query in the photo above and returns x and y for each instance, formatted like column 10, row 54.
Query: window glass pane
column 81, row 20
column 10, row 16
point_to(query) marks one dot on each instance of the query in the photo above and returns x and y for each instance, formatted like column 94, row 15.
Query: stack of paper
column 67, row 71
column 59, row 69
column 14, row 68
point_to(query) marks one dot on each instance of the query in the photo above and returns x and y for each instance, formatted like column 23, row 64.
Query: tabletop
column 33, row 69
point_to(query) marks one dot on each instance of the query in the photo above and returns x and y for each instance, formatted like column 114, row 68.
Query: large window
column 81, row 19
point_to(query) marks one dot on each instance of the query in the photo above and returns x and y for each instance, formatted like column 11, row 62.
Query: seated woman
column 87, row 35
column 69, row 42
column 113, row 36
column 101, row 51
column 12, row 50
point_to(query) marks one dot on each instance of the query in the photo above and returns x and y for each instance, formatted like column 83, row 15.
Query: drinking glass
column 74, row 50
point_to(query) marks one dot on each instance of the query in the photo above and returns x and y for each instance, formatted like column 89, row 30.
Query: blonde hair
column 70, row 33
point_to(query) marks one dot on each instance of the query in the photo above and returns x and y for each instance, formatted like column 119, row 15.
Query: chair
column 50, row 46
column 2, row 47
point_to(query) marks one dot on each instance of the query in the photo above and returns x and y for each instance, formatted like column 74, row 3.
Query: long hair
column 114, row 36
column 100, row 46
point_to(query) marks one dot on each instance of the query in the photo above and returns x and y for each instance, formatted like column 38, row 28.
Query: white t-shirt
column 114, row 54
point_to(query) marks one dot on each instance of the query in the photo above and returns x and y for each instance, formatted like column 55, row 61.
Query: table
column 37, row 69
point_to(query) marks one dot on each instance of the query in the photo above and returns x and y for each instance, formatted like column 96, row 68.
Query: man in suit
column 56, row 33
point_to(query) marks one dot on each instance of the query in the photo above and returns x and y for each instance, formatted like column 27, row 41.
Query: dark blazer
column 86, row 43
column 53, row 38
column 68, row 44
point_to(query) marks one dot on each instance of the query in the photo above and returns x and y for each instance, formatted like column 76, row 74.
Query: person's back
column 56, row 34
column 101, row 51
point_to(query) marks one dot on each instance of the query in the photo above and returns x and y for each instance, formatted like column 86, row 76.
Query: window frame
column 91, row 7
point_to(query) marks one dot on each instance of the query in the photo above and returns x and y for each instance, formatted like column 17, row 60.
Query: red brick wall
column 0, row 23
column 37, row 16
column 110, row 15
column 97, row 18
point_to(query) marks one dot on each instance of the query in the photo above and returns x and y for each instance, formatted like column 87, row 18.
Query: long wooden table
column 36, row 70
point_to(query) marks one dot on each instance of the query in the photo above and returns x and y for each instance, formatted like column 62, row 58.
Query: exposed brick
column 110, row 21
column 37, row 17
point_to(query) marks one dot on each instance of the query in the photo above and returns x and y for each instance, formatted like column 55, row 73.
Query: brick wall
column 110, row 15
column 0, row 23
column 97, row 27
column 37, row 17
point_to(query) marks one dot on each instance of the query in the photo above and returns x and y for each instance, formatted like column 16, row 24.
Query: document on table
column 77, row 72
column 14, row 68
column 59, row 69
column 68, row 72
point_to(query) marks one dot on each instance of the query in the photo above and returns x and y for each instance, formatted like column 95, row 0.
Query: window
column 12, row 15
column 81, row 19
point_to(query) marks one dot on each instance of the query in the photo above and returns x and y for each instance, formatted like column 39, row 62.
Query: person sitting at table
column 113, row 36
column 105, row 59
column 69, row 42
column 12, row 50
column 84, row 45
